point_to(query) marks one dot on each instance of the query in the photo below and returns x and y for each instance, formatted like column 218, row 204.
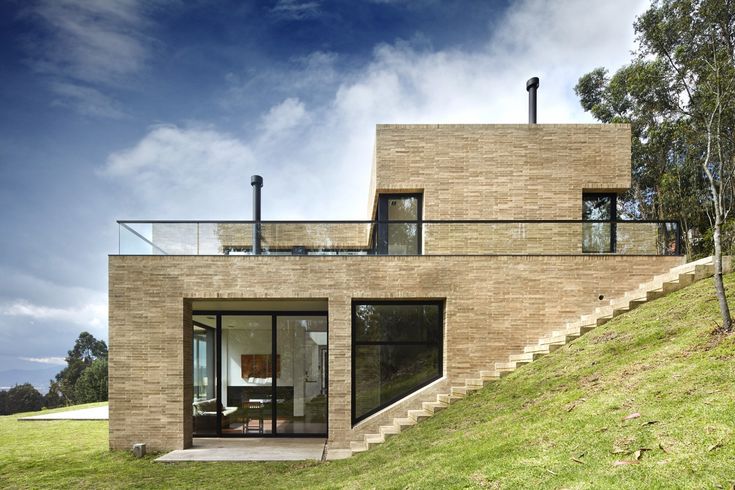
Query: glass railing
column 428, row 237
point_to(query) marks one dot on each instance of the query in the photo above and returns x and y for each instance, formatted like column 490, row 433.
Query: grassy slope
column 525, row 430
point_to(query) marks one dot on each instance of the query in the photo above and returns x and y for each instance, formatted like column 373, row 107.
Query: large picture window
column 396, row 349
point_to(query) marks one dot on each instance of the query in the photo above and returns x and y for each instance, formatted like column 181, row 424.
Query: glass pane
column 301, row 400
column 384, row 373
column 597, row 207
column 203, row 376
column 397, row 323
column 398, row 238
column 247, row 374
column 403, row 209
column 596, row 237
column 403, row 239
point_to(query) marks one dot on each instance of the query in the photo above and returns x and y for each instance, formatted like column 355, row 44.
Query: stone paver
column 256, row 449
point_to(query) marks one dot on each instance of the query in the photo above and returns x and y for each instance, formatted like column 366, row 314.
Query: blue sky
column 134, row 109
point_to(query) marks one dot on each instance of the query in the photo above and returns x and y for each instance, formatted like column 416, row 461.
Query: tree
column 86, row 350
column 678, row 94
column 4, row 410
column 92, row 384
column 53, row 398
column 22, row 398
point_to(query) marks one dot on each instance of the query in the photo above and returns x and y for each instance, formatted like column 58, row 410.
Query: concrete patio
column 94, row 413
column 250, row 449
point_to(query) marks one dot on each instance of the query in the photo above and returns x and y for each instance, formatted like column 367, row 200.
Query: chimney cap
column 256, row 180
column 532, row 82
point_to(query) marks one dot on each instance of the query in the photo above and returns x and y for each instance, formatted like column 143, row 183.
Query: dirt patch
column 590, row 382
column 605, row 337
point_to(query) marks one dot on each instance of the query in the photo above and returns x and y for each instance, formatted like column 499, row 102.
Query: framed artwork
column 259, row 365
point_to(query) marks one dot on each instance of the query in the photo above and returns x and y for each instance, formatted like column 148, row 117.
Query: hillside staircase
column 661, row 285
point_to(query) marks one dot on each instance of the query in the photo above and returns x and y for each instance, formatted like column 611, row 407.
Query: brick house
column 479, row 240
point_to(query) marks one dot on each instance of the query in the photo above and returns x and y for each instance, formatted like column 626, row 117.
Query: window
column 404, row 236
column 396, row 349
column 599, row 236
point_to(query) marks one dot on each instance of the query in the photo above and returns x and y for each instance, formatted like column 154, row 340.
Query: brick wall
column 501, row 171
column 494, row 306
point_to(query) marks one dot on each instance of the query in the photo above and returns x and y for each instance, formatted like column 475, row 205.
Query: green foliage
column 87, row 349
column 53, row 398
column 92, row 384
column 20, row 398
column 680, row 83
column 527, row 430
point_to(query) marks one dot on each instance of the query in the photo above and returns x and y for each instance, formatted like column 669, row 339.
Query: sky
column 162, row 109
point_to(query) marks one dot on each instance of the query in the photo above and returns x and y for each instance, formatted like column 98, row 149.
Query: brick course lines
column 495, row 305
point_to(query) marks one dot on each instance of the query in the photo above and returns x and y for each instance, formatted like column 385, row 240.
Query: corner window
column 396, row 349
column 404, row 236
column 598, row 236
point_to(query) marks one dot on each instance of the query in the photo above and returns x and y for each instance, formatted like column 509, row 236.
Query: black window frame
column 274, row 314
column 612, row 221
column 381, row 215
column 439, row 343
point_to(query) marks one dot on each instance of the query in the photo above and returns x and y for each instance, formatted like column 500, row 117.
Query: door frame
column 218, row 314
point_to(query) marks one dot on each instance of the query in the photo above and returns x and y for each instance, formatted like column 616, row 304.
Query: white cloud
column 86, row 46
column 284, row 116
column 56, row 361
column 91, row 314
column 100, row 41
column 197, row 168
column 322, row 170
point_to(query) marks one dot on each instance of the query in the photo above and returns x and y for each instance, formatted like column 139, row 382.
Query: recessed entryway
column 259, row 368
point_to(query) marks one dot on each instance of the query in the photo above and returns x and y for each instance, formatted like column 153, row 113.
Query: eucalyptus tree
column 678, row 94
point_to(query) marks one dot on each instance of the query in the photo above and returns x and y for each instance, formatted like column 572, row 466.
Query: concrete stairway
column 673, row 280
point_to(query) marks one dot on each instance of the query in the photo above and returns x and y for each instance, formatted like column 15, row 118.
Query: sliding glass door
column 247, row 374
column 301, row 405
column 259, row 373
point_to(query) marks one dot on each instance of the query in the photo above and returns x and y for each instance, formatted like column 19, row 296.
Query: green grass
column 524, row 431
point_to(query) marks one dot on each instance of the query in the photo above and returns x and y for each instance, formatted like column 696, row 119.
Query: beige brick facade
column 494, row 304
column 501, row 171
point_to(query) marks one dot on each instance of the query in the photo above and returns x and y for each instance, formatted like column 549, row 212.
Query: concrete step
column 526, row 357
column 558, row 340
column 433, row 407
column 358, row 446
column 445, row 398
column 540, row 349
column 372, row 440
column 404, row 422
column 580, row 327
column 461, row 391
column 595, row 319
column 389, row 430
column 691, row 266
column 574, row 332
column 474, row 382
column 505, row 366
column 419, row 415
column 490, row 375
column 610, row 311
column 704, row 271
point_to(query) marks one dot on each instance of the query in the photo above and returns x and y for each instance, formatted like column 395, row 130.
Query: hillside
column 557, row 423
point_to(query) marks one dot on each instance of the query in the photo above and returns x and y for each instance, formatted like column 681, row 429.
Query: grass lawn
column 557, row 423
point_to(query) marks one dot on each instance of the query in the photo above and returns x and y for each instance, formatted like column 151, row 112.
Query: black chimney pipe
column 257, row 182
column 532, row 87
